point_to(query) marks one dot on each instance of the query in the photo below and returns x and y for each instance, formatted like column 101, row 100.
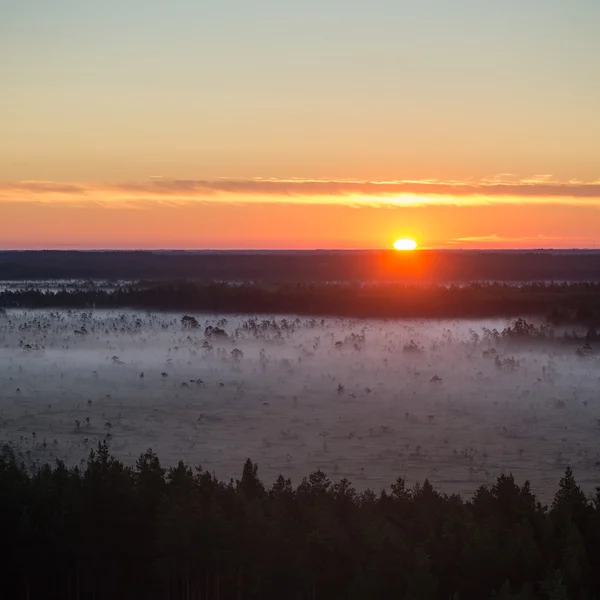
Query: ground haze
column 371, row 400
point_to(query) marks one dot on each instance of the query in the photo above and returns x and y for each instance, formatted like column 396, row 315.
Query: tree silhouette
column 111, row 531
column 189, row 322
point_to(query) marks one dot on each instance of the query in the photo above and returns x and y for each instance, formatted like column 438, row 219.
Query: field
column 370, row 400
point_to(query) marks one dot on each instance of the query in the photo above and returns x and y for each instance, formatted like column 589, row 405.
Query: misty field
column 452, row 401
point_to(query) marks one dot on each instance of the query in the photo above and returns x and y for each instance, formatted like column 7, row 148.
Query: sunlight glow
column 405, row 244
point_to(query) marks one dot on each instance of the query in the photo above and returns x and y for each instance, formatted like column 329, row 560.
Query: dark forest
column 431, row 266
column 106, row 530
column 559, row 303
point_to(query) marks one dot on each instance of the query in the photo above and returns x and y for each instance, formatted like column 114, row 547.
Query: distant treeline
column 434, row 266
column 559, row 303
column 108, row 531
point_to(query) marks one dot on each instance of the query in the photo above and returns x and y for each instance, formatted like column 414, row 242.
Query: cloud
column 502, row 240
column 537, row 186
column 42, row 187
column 503, row 188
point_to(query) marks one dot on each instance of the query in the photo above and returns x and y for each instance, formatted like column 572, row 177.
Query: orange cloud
column 500, row 189
column 525, row 241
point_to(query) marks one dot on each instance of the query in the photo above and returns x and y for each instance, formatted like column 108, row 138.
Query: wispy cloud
column 502, row 188
column 532, row 240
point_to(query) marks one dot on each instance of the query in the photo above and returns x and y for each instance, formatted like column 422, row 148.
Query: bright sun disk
column 405, row 244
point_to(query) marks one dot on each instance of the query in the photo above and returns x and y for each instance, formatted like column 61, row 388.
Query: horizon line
column 300, row 250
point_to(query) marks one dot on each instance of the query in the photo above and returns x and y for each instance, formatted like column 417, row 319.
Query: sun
column 405, row 244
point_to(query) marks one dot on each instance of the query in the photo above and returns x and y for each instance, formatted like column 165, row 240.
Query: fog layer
column 368, row 400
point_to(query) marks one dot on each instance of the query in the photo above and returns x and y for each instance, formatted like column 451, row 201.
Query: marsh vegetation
column 458, row 402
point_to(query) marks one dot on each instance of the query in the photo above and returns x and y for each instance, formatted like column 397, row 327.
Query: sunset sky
column 314, row 124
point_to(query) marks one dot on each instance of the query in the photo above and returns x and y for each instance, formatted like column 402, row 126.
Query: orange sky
column 343, row 124
column 116, row 217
